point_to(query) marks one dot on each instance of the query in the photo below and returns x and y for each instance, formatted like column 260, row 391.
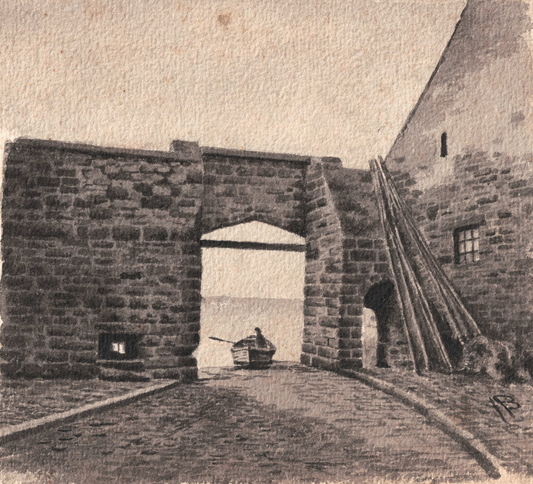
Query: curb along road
column 13, row 432
column 490, row 463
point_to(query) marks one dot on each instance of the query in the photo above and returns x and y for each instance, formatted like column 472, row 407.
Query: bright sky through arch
column 265, row 274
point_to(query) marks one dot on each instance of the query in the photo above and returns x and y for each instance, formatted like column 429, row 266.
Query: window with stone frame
column 466, row 244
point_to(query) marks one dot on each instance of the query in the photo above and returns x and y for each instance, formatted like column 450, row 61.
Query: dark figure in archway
column 378, row 299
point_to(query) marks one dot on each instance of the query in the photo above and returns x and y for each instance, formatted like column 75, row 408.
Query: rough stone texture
column 323, row 274
column 345, row 257
column 244, row 188
column 96, row 240
column 100, row 240
column 480, row 97
column 496, row 192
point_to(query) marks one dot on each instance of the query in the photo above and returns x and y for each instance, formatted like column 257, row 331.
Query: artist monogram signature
column 505, row 405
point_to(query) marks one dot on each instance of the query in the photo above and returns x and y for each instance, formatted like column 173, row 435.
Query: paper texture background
column 321, row 78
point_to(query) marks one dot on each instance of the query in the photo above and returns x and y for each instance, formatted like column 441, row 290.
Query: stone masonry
column 98, row 240
column 345, row 257
column 101, row 250
column 464, row 159
column 494, row 192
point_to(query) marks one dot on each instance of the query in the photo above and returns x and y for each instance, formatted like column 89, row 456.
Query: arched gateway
column 252, row 276
column 102, row 252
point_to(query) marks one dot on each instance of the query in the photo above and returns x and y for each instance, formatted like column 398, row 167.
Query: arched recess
column 252, row 275
column 377, row 321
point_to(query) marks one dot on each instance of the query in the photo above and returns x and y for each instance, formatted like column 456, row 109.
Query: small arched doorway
column 377, row 315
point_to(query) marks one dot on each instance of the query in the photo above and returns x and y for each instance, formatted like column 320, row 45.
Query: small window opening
column 466, row 244
column 117, row 346
column 443, row 145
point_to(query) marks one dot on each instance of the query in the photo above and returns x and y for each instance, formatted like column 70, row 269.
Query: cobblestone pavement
column 286, row 423
column 23, row 400
column 467, row 401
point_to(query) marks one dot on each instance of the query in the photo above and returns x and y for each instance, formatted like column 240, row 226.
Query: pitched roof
column 481, row 91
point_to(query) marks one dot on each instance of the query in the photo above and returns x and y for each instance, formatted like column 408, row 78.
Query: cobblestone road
column 467, row 401
column 23, row 400
column 287, row 423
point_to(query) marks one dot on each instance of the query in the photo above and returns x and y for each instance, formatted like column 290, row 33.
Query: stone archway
column 253, row 275
column 376, row 327
column 129, row 222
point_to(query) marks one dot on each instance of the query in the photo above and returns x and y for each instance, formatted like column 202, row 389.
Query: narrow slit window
column 443, row 145
column 466, row 241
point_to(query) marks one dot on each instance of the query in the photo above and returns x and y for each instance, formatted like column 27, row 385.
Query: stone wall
column 464, row 158
column 494, row 191
column 323, row 273
column 99, row 240
column 244, row 186
column 102, row 250
column 345, row 257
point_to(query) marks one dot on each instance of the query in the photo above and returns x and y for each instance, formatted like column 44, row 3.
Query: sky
column 312, row 77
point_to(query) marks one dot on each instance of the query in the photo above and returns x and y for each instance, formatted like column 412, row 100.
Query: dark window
column 466, row 242
column 443, row 145
column 117, row 346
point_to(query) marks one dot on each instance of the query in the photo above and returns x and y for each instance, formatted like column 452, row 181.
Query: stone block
column 113, row 374
column 84, row 357
column 67, row 189
column 487, row 200
column 363, row 255
column 126, row 233
column 37, row 230
column 189, row 339
column 9, row 369
column 167, row 373
column 60, row 343
column 32, row 370
column 309, row 348
column 157, row 202
column 327, row 352
column 351, row 363
column 98, row 233
column 22, row 283
column 117, row 193
column 155, row 234
column 324, row 363
column 53, row 370
column 183, row 350
column 143, row 188
column 100, row 213
column 66, row 172
column 52, row 356
column 188, row 374
column 47, row 181
column 61, row 330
